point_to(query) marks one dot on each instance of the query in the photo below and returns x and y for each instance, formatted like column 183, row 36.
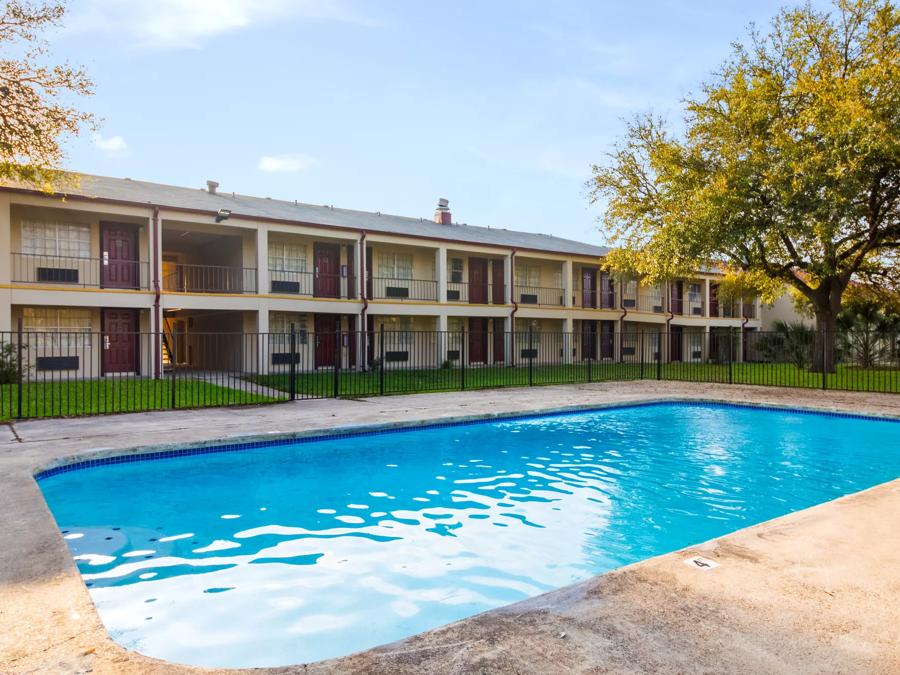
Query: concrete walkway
column 815, row 591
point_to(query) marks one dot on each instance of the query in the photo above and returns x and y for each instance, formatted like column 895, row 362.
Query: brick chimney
column 442, row 214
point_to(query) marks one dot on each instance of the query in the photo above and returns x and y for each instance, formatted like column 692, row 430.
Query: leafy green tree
column 787, row 171
column 35, row 115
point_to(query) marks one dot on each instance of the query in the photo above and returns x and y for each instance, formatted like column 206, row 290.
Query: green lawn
column 353, row 384
column 86, row 397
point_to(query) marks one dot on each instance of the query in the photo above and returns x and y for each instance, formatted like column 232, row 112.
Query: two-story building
column 116, row 257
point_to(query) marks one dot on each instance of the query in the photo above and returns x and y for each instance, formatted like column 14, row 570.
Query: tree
column 34, row 113
column 787, row 171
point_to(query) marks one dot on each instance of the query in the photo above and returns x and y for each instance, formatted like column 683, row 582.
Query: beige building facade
column 115, row 258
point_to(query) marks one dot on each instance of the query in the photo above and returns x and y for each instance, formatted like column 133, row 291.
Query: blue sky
column 500, row 106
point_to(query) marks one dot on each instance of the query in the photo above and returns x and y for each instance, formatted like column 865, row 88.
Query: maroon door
column 588, row 339
column 478, row 340
column 370, row 339
column 352, row 339
column 607, row 339
column 327, row 280
column 120, row 341
column 351, row 273
column 499, row 340
column 676, row 343
column 676, row 305
column 478, row 281
column 607, row 292
column 326, row 328
column 498, row 285
column 119, row 249
column 588, row 289
column 714, row 299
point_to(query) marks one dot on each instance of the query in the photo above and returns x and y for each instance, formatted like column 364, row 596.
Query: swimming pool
column 300, row 551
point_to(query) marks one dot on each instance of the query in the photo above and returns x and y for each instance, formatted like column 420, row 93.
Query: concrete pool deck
column 814, row 591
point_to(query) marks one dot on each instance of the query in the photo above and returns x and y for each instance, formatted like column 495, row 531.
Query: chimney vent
column 442, row 214
column 211, row 186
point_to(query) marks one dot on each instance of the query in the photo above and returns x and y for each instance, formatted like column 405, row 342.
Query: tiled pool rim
column 104, row 457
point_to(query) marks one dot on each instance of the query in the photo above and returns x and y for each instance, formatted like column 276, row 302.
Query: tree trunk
column 827, row 305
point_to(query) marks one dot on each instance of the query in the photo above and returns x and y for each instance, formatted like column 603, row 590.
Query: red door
column 607, row 339
column 478, row 281
column 119, row 249
column 327, row 280
column 607, row 292
column 498, row 285
column 120, row 341
column 478, row 340
column 326, row 328
column 676, row 343
column 677, row 297
column 588, row 288
column 714, row 299
column 588, row 339
column 499, row 340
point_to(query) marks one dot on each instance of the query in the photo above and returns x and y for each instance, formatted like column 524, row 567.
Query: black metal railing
column 311, row 284
column 32, row 268
column 476, row 294
column 594, row 299
column 387, row 288
column 57, row 373
column 538, row 295
column 187, row 278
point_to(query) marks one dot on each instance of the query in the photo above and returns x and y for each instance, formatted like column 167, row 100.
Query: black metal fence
column 60, row 373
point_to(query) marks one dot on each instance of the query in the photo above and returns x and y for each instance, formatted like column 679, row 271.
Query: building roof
column 143, row 192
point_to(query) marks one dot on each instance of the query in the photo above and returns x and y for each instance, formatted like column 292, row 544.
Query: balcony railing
column 594, row 299
column 536, row 295
column 384, row 288
column 476, row 294
column 184, row 278
column 312, row 285
column 33, row 268
column 723, row 310
column 644, row 302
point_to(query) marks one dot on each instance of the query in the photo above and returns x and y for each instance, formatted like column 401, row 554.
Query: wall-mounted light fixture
column 223, row 214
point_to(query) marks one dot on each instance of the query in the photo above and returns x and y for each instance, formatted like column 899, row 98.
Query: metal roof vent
column 211, row 186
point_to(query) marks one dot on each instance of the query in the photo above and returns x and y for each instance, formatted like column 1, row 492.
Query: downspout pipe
column 157, row 319
column 362, row 293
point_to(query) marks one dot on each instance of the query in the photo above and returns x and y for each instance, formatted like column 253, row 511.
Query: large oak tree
column 36, row 109
column 786, row 170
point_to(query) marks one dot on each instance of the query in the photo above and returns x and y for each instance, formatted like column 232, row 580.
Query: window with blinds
column 287, row 257
column 395, row 266
column 528, row 275
column 56, row 239
column 58, row 327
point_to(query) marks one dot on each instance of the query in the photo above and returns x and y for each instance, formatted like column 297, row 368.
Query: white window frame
column 287, row 257
column 402, row 327
column 58, row 327
column 457, row 271
column 395, row 265
column 280, row 322
column 56, row 238
column 526, row 274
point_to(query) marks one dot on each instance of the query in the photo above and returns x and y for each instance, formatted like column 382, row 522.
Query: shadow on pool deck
column 814, row 591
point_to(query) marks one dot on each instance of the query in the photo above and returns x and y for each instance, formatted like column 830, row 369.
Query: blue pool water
column 303, row 551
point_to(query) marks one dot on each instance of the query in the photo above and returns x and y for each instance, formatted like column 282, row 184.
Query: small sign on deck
column 701, row 563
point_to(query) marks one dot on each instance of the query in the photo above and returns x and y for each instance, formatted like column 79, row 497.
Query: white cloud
column 286, row 163
column 114, row 146
column 187, row 23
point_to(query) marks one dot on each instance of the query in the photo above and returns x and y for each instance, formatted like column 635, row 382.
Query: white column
column 706, row 284
column 440, row 258
column 262, row 261
column 568, row 328
column 567, row 282
column 5, row 262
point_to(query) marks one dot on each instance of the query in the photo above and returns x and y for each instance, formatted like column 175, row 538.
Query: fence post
column 336, row 379
column 824, row 360
column 641, row 347
column 462, row 360
column 659, row 348
column 381, row 361
column 174, row 363
column 292, row 364
column 530, row 356
column 20, row 373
